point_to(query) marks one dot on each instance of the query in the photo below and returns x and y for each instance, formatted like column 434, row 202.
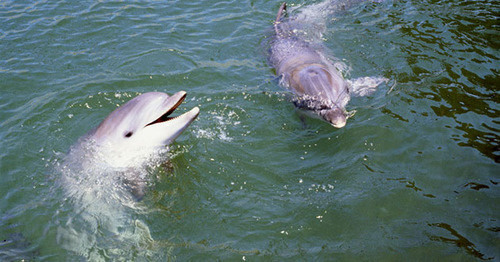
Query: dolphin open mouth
column 166, row 116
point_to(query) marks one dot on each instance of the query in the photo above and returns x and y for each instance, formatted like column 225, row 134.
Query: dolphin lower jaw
column 336, row 116
column 166, row 128
column 161, row 133
column 339, row 124
column 167, row 131
column 166, row 116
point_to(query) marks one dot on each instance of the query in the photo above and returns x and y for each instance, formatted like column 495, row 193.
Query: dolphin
column 106, row 172
column 129, row 139
column 303, row 68
column 145, row 121
column 141, row 126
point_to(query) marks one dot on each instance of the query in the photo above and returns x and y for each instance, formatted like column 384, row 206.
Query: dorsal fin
column 278, row 17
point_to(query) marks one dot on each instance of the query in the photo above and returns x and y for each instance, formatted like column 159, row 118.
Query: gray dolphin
column 318, row 85
column 141, row 126
column 132, row 135
column 144, row 121
column 107, row 170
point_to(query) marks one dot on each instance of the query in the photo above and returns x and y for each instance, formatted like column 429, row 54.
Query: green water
column 412, row 176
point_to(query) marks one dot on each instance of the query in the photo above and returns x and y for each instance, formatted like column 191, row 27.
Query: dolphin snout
column 339, row 124
column 336, row 117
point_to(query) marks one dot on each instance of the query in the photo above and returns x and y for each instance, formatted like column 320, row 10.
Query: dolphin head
column 335, row 116
column 144, row 123
column 325, row 92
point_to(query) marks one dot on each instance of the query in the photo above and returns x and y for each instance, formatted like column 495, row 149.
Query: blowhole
column 129, row 134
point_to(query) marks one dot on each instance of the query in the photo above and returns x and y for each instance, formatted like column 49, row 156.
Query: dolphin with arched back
column 300, row 62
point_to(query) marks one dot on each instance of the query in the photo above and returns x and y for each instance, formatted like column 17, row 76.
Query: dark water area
column 412, row 176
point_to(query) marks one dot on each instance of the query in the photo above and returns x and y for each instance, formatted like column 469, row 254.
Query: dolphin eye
column 129, row 134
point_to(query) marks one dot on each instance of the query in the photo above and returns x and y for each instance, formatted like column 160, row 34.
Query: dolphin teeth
column 166, row 116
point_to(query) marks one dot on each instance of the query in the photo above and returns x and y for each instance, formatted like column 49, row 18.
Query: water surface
column 414, row 174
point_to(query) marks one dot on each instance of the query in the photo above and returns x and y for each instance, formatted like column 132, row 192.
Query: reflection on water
column 452, row 56
column 458, row 240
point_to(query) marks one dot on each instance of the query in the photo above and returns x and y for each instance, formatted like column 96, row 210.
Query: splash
column 101, row 205
column 220, row 131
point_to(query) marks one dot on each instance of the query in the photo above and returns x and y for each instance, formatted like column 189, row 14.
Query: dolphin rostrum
column 317, row 84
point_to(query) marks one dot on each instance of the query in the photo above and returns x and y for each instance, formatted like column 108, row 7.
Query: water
column 413, row 175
